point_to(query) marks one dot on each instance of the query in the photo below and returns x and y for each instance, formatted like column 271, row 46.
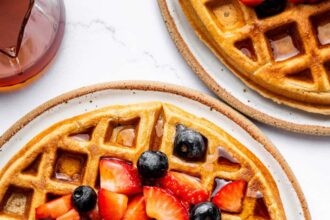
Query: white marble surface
column 121, row 40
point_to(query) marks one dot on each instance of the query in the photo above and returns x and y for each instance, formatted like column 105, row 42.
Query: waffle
column 285, row 57
column 68, row 153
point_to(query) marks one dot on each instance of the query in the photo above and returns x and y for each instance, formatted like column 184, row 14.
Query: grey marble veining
column 108, row 40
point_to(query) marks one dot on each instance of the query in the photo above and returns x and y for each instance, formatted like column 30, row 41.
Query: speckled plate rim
column 222, row 93
column 203, row 99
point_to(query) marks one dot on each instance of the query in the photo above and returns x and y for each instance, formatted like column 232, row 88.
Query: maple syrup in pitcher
column 30, row 34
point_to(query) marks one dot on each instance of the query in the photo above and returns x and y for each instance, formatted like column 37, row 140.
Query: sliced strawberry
column 230, row 197
column 55, row 208
column 112, row 206
column 71, row 215
column 185, row 204
column 186, row 187
column 161, row 205
column 119, row 176
column 251, row 3
column 136, row 209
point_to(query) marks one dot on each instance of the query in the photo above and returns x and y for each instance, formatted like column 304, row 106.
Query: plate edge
column 202, row 98
column 222, row 93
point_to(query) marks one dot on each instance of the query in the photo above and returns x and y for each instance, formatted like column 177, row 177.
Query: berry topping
column 230, row 197
column 55, row 208
column 189, row 144
column 185, row 187
column 186, row 204
column 84, row 198
column 136, row 209
column 119, row 176
column 122, row 195
column 162, row 205
column 112, row 206
column 152, row 164
column 252, row 3
column 71, row 215
column 205, row 210
column 270, row 7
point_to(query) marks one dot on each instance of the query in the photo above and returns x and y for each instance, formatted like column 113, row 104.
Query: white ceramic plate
column 91, row 98
column 230, row 88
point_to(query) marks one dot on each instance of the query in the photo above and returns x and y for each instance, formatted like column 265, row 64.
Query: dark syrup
column 14, row 15
column 69, row 167
column 285, row 42
column 158, row 133
column 226, row 159
column 31, row 39
column 260, row 208
column 246, row 47
column 83, row 136
column 321, row 25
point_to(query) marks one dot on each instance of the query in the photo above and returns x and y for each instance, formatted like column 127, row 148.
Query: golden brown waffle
column 68, row 154
column 285, row 57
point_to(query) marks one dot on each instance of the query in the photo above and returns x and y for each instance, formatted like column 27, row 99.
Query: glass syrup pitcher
column 31, row 32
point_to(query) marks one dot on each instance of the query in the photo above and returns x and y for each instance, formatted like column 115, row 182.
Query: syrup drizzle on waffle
column 55, row 162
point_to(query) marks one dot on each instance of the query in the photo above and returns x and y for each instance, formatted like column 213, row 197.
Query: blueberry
column 205, row 211
column 270, row 7
column 152, row 164
column 84, row 198
column 189, row 144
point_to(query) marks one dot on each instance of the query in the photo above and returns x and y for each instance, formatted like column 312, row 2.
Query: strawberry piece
column 55, row 208
column 112, row 206
column 186, row 187
column 230, row 197
column 71, row 215
column 161, row 205
column 252, row 3
column 185, row 204
column 119, row 176
column 136, row 209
